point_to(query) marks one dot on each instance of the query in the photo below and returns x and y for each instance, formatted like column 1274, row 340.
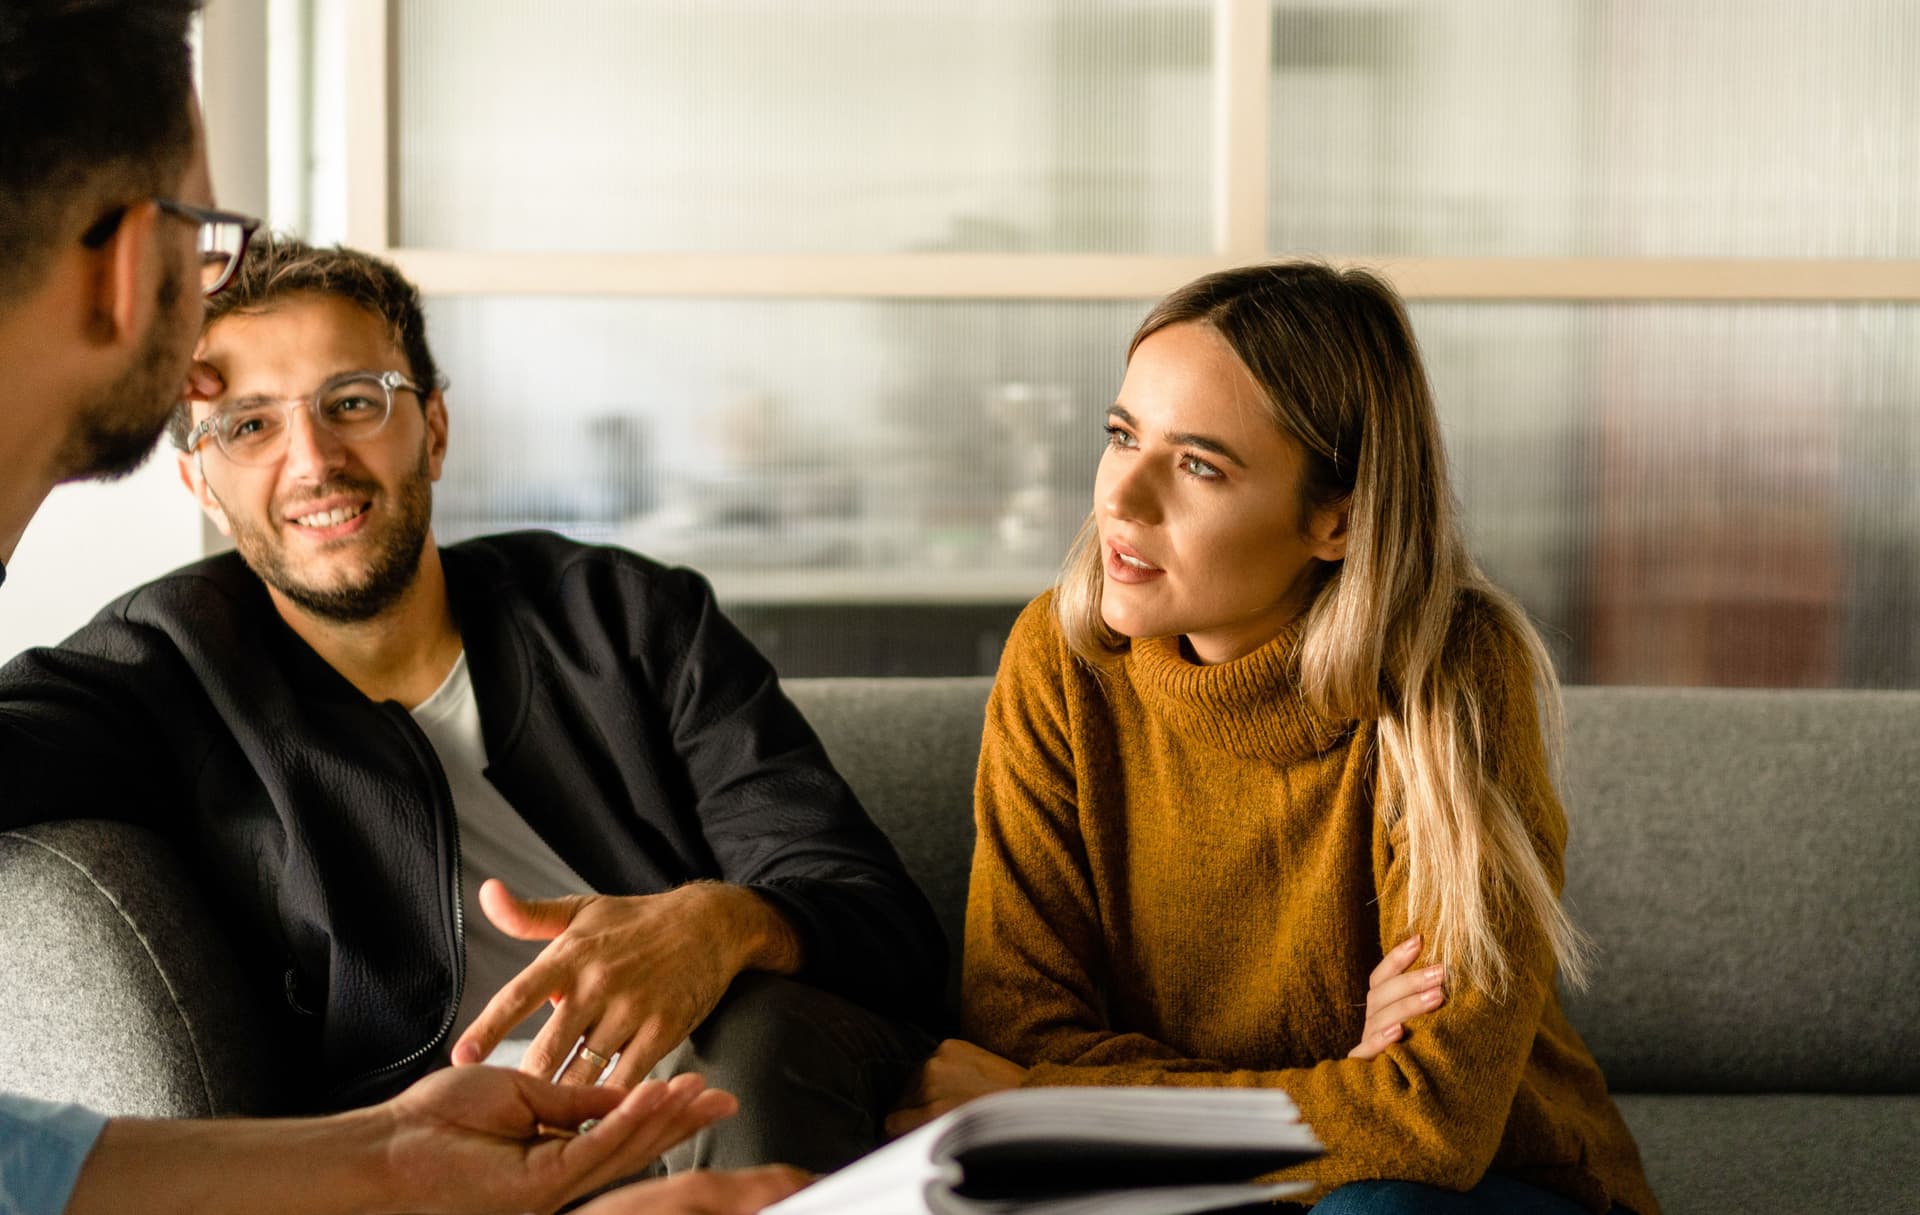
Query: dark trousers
column 816, row 1076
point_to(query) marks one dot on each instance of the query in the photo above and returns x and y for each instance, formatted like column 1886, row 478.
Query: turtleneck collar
column 1250, row 707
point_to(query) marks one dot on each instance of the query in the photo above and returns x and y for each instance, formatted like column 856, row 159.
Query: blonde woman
column 1265, row 793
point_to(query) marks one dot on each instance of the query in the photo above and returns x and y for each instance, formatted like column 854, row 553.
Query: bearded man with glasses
column 516, row 800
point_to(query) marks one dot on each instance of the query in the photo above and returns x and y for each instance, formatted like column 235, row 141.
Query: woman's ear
column 1327, row 530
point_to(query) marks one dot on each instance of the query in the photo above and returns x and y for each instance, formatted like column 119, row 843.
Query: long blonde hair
column 1341, row 372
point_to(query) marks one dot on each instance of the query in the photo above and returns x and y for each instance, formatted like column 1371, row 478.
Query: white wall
column 89, row 544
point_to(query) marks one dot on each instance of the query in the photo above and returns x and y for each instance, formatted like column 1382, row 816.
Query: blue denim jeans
column 1495, row 1195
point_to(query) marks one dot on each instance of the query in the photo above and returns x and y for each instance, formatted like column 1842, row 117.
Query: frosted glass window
column 1682, row 494
column 852, row 126
column 1728, row 128
column 922, row 450
column 1695, row 494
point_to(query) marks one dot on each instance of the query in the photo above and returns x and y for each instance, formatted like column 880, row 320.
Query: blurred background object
column 828, row 299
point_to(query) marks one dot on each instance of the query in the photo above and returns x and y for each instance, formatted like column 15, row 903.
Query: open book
column 1062, row 1151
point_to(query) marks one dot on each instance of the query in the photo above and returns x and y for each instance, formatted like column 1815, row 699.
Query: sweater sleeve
column 1034, row 967
column 1432, row 1109
column 781, row 821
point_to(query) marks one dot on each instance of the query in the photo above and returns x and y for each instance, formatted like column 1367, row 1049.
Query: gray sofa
column 1749, row 863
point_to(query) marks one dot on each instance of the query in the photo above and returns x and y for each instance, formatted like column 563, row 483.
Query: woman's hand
column 1396, row 995
column 956, row 1074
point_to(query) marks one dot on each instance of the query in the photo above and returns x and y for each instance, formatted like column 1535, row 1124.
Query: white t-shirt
column 494, row 842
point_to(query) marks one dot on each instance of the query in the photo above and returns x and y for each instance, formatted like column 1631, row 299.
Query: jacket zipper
column 443, row 803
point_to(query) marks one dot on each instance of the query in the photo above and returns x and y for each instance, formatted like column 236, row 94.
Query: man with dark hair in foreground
column 103, row 190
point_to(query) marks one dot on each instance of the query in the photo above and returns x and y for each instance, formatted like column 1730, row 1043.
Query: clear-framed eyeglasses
column 223, row 237
column 254, row 430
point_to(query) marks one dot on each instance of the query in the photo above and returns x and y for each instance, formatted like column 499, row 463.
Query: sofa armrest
column 119, row 992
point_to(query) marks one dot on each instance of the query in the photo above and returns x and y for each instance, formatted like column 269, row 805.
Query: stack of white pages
column 1063, row 1151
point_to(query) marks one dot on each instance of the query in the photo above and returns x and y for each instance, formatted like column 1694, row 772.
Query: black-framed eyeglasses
column 254, row 430
column 223, row 237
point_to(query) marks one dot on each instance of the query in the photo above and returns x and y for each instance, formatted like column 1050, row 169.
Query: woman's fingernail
column 1430, row 997
column 1436, row 973
column 1390, row 1033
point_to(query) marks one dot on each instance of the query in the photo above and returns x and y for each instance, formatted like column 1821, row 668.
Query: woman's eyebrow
column 1182, row 438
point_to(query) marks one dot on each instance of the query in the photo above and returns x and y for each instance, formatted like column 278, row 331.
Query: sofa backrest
column 909, row 748
column 119, row 991
column 1747, row 863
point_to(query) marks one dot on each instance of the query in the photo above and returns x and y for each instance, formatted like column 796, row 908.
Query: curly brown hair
column 278, row 267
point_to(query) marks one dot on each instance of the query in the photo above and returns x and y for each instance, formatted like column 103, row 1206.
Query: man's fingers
column 556, row 1038
column 649, row 1045
column 527, row 919
column 589, row 1062
column 640, row 1049
column 567, row 1106
column 619, row 1144
column 204, row 382
column 702, row 1192
column 628, row 1071
column 702, row 1109
column 656, row 1115
column 512, row 1004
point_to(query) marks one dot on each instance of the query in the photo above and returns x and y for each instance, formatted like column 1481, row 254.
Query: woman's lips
column 1126, row 565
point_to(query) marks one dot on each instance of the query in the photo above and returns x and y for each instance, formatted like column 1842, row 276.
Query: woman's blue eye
column 1117, row 437
column 1195, row 466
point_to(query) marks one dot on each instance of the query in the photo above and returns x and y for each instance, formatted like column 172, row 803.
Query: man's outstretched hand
column 466, row 1140
column 488, row 1139
column 702, row 1193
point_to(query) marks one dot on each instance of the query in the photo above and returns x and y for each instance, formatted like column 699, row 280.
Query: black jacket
column 625, row 718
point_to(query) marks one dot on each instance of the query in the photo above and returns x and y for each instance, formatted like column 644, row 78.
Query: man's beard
column 392, row 564
column 114, row 433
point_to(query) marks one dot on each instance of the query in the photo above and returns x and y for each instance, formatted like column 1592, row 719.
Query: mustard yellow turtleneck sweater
column 1180, row 879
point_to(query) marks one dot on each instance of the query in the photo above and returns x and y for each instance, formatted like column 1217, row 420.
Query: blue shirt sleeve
column 42, row 1147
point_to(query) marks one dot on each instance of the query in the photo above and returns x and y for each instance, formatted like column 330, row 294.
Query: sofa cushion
column 150, row 1018
column 1790, row 1152
column 909, row 748
column 1749, row 865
